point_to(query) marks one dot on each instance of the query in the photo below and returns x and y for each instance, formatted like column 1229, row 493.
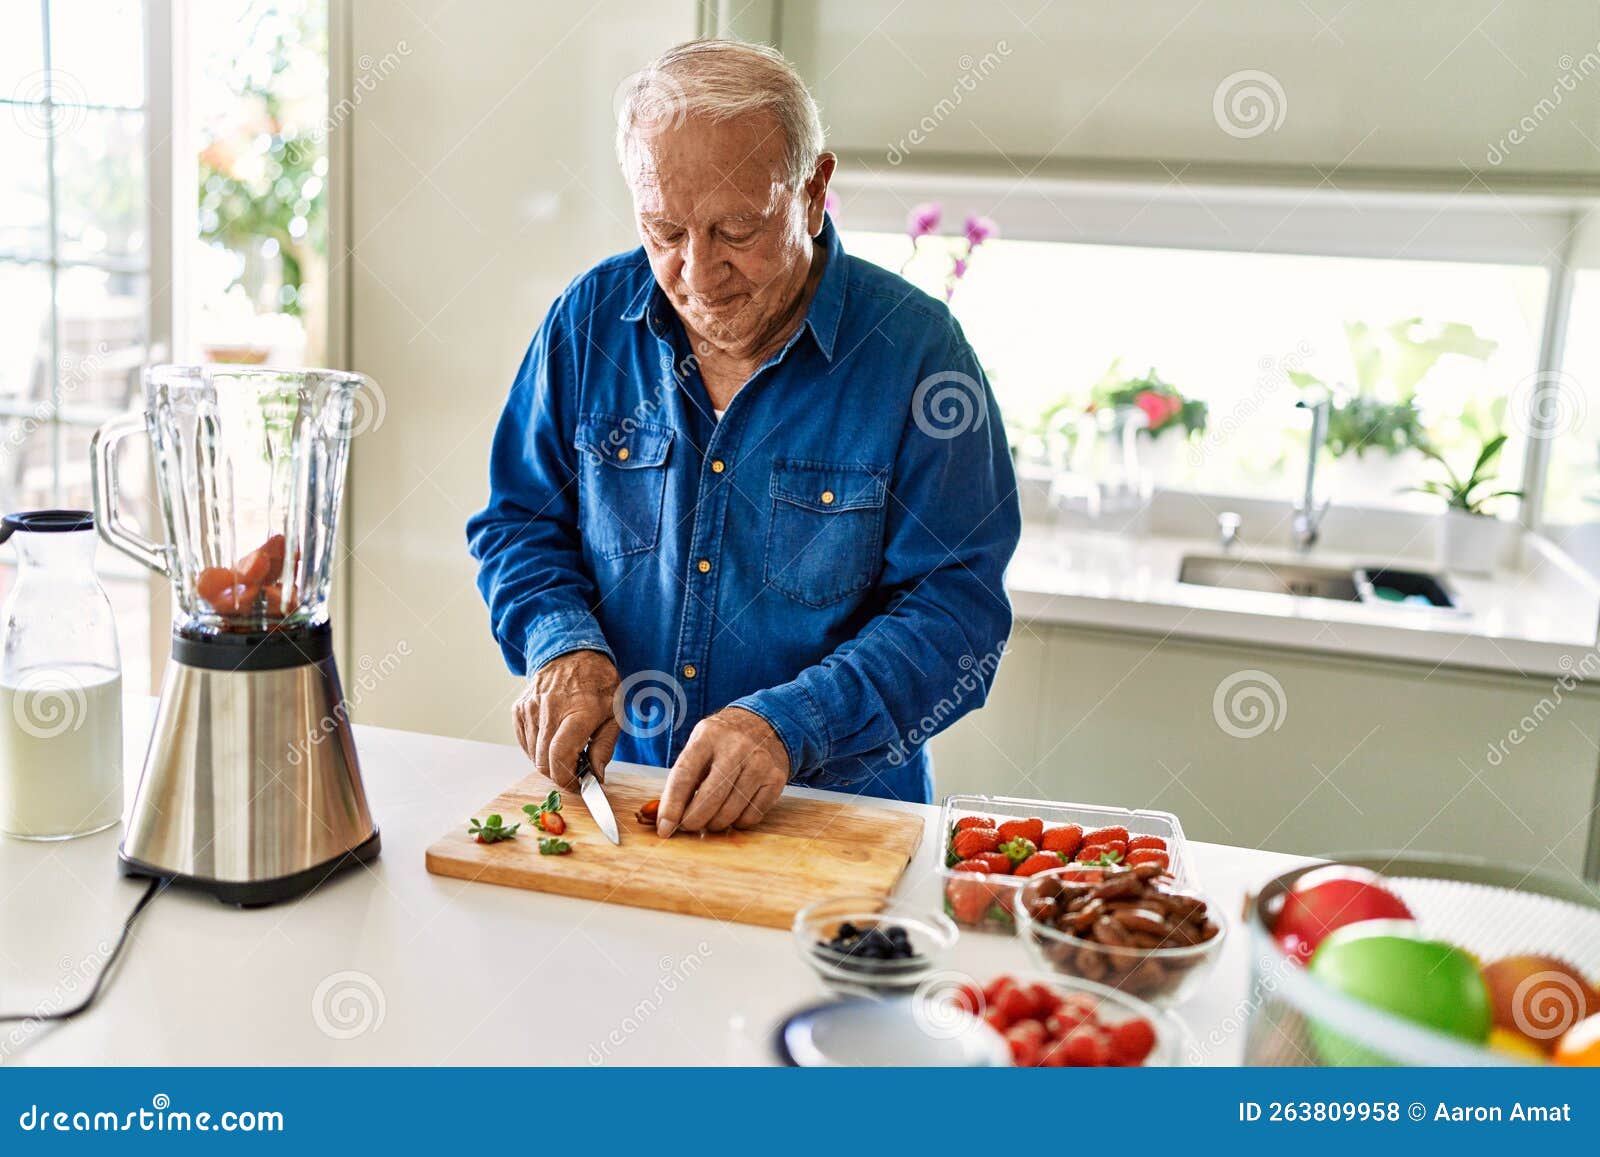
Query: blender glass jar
column 60, row 684
column 250, row 463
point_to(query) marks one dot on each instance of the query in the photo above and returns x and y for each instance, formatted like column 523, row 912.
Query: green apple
column 1388, row 964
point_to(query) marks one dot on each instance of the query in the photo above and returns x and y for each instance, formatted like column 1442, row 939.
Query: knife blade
column 594, row 798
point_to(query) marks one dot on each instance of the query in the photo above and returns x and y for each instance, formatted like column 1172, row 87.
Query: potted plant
column 1166, row 419
column 1471, row 535
column 1375, row 434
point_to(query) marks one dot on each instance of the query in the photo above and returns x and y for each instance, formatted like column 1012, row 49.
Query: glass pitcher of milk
column 60, row 683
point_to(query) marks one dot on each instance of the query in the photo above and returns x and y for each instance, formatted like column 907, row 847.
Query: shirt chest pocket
column 825, row 540
column 622, row 483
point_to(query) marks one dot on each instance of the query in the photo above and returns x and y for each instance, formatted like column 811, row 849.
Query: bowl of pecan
column 1128, row 928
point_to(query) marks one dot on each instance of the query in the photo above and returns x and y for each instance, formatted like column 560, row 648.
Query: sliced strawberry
column 1066, row 840
column 552, row 823
column 1132, row 1041
column 1039, row 862
column 1029, row 829
column 966, row 822
column 1026, row 1039
column 1155, row 843
column 1014, row 1003
column 225, row 590
column 1044, row 1000
column 992, row 990
column 975, row 841
column 1087, row 1047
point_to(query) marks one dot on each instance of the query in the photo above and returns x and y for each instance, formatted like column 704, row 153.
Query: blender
column 251, row 789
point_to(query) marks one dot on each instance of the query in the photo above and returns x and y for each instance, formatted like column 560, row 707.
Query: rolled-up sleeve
column 951, row 527
column 526, row 541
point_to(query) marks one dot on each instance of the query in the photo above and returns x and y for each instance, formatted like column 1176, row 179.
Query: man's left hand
column 730, row 773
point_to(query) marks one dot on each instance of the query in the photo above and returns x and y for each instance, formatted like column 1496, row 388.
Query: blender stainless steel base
column 251, row 788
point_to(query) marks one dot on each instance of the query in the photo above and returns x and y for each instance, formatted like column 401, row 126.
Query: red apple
column 1330, row 898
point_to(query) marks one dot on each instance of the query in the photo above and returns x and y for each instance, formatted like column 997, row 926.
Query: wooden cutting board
column 805, row 850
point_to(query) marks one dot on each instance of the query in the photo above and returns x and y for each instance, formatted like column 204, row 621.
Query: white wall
column 481, row 182
column 1365, row 85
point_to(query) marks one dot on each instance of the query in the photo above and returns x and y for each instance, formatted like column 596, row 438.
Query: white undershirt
column 718, row 414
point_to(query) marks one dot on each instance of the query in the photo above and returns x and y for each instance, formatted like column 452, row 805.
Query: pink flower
column 979, row 229
column 959, row 269
column 923, row 219
column 1158, row 408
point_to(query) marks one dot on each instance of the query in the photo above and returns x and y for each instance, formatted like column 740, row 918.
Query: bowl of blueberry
column 867, row 944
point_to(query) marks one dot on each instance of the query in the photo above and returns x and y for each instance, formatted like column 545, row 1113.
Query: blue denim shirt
column 829, row 555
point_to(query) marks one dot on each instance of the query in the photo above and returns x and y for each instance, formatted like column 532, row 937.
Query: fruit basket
column 987, row 902
column 1449, row 962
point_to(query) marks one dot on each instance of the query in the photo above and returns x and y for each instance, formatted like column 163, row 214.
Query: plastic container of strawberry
column 986, row 902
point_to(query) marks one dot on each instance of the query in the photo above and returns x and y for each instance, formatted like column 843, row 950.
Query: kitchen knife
column 594, row 797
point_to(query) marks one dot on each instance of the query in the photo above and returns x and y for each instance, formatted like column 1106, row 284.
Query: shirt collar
column 822, row 316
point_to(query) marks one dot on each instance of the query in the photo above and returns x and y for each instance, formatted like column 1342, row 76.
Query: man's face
column 729, row 242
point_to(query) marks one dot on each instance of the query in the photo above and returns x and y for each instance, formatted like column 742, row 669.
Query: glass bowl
column 930, row 935
column 945, row 1008
column 1162, row 976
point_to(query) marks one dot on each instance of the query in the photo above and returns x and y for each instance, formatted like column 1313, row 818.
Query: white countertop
column 1539, row 619
column 464, row 974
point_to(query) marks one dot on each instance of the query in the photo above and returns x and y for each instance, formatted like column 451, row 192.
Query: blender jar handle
column 107, row 513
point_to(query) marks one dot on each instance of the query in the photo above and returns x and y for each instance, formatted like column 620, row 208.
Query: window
column 259, row 266
column 1572, row 412
column 1051, row 320
column 74, row 260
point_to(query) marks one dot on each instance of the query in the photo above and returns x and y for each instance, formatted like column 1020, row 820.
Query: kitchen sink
column 1374, row 585
column 1313, row 582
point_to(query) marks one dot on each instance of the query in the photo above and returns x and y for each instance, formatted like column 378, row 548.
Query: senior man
column 764, row 479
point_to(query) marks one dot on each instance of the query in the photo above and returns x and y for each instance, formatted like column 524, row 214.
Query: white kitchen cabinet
column 1354, row 754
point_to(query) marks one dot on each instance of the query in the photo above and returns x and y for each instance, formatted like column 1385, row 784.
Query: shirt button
column 704, row 565
column 622, row 454
column 717, row 467
column 688, row 671
column 827, row 498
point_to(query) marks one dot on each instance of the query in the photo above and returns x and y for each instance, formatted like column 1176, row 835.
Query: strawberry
column 992, row 990
column 1065, row 840
column 1028, row 1027
column 971, row 866
column 1039, row 862
column 975, row 841
column 1148, row 856
column 1098, row 854
column 552, row 823
column 1026, row 1039
column 999, row 863
column 997, row 1020
column 1044, row 1000
column 968, row 899
column 966, row 822
column 1086, row 1047
column 1131, row 1041
column 1102, row 835
column 1018, row 849
column 1029, row 829
column 1014, row 1003
column 969, row 998
column 1155, row 843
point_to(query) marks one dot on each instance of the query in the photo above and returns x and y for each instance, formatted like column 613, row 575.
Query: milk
column 60, row 752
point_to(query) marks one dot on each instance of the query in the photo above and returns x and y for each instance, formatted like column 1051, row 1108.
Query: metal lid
column 46, row 522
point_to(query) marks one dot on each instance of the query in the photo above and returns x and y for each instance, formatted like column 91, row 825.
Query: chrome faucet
column 1307, row 512
column 1228, row 524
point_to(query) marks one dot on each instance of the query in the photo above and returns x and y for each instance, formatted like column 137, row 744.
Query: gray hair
column 722, row 80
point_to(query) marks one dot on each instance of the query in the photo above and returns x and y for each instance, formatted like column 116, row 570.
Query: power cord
column 105, row 970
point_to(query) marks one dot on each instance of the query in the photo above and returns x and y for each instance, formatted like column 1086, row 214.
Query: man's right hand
column 568, row 703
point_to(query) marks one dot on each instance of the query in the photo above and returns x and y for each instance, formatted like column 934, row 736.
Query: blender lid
column 46, row 522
